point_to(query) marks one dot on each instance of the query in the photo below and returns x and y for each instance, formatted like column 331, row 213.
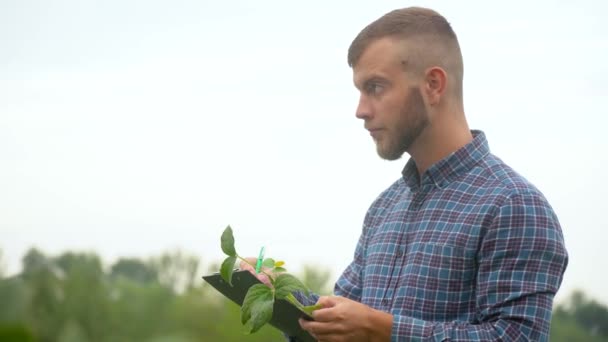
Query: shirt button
column 399, row 252
column 385, row 302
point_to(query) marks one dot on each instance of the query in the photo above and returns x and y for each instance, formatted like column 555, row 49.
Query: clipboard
column 284, row 314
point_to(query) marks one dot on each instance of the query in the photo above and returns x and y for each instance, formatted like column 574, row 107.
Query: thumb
column 326, row 313
column 327, row 301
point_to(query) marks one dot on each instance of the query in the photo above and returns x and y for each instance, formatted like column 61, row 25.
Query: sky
column 130, row 128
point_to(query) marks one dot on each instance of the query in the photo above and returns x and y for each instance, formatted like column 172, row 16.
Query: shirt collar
column 449, row 168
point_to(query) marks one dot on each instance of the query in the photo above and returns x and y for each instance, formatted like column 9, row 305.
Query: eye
column 374, row 89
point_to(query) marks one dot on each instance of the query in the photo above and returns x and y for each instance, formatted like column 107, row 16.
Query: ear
column 435, row 84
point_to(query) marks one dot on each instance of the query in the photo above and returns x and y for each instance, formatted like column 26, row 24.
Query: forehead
column 382, row 58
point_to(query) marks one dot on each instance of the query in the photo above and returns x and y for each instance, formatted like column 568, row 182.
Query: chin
column 389, row 155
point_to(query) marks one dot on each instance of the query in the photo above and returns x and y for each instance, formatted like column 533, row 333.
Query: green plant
column 259, row 301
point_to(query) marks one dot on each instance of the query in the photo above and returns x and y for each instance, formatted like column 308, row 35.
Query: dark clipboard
column 284, row 314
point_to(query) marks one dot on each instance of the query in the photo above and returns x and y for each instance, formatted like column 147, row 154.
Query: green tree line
column 72, row 297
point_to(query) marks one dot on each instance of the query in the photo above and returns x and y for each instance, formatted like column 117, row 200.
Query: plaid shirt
column 470, row 251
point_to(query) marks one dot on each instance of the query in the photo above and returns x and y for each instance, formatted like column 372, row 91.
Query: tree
column 2, row 266
column 84, row 304
column 13, row 300
column 589, row 314
column 15, row 333
column 316, row 279
column 135, row 270
column 579, row 319
column 71, row 297
column 44, row 295
column 176, row 270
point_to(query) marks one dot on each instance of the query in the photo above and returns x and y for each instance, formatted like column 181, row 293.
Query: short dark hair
column 438, row 43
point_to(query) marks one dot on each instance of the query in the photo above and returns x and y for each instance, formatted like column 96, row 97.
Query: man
column 461, row 247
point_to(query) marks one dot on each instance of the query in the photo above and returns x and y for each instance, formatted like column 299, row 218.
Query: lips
column 374, row 132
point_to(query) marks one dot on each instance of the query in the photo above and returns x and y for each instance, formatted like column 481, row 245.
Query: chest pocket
column 440, row 262
column 436, row 280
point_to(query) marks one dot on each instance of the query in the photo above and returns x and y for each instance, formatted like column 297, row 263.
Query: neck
column 439, row 140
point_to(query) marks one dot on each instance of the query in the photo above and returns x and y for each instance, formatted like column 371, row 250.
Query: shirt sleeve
column 305, row 300
column 521, row 262
column 349, row 284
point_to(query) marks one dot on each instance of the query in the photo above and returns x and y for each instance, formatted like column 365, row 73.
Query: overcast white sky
column 133, row 127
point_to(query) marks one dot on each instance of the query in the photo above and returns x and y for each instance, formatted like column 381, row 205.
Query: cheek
column 391, row 109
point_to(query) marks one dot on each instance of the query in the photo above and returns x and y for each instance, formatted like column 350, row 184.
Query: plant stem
column 312, row 308
column 293, row 300
column 307, row 309
column 290, row 298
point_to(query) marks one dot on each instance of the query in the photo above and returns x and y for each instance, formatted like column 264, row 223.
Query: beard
column 413, row 119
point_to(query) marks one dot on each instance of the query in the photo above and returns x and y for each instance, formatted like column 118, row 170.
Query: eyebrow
column 373, row 79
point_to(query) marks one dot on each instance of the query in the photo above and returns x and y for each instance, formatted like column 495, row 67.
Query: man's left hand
column 342, row 319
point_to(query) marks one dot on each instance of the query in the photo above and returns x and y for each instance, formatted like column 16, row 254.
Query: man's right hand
column 247, row 266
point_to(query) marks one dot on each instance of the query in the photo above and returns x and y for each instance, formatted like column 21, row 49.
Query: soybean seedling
column 259, row 300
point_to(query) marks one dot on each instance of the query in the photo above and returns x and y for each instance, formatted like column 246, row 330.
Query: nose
column 364, row 110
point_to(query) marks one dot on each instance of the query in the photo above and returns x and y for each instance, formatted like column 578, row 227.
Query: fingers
column 317, row 328
column 326, row 313
column 328, row 301
column 306, row 325
column 247, row 266
column 327, row 321
column 263, row 278
column 340, row 319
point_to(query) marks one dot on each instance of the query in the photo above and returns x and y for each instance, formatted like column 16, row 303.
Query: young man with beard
column 461, row 247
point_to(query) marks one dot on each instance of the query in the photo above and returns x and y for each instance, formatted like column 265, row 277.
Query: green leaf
column 279, row 263
column 279, row 270
column 256, row 291
column 228, row 242
column 286, row 284
column 260, row 315
column 257, row 307
column 227, row 269
column 269, row 263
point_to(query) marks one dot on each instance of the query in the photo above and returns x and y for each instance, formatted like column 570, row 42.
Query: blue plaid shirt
column 470, row 251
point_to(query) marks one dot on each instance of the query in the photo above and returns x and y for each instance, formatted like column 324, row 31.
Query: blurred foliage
column 317, row 280
column 2, row 266
column 579, row 319
column 73, row 297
